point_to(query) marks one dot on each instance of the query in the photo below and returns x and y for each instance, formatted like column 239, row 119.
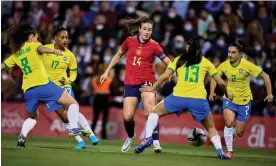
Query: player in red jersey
column 140, row 52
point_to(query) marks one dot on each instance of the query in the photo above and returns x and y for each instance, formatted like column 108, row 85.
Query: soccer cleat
column 145, row 144
column 229, row 154
column 74, row 132
column 222, row 155
column 156, row 147
column 21, row 141
column 127, row 144
column 94, row 140
column 80, row 145
column 85, row 132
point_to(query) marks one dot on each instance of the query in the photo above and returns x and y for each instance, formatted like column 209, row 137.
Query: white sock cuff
column 215, row 137
column 67, row 126
column 153, row 116
column 73, row 106
column 32, row 120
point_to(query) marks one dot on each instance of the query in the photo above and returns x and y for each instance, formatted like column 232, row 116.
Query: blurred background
column 96, row 33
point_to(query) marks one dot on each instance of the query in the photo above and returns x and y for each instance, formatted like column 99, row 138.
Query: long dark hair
column 133, row 25
column 57, row 30
column 193, row 55
column 244, row 48
column 19, row 34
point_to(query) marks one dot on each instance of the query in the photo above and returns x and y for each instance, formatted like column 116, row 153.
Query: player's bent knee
column 128, row 118
column 240, row 133
column 228, row 124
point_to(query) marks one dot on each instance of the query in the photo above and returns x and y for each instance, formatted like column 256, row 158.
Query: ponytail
column 133, row 25
column 193, row 55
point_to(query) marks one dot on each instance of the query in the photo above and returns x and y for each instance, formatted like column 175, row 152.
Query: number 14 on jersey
column 136, row 61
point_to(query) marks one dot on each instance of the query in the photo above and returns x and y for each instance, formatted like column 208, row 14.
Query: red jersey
column 140, row 60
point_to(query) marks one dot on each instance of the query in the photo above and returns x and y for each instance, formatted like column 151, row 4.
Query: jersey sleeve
column 211, row 69
column 159, row 52
column 9, row 62
column 124, row 46
column 72, row 69
column 219, row 69
column 254, row 70
column 36, row 45
column 73, row 63
column 172, row 64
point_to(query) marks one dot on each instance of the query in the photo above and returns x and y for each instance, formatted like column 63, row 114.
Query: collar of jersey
column 138, row 39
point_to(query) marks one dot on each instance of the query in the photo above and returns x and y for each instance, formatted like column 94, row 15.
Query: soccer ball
column 197, row 137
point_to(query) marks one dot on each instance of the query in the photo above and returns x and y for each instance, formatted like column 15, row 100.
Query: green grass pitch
column 59, row 152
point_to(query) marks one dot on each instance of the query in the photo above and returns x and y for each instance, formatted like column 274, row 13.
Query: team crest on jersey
column 138, row 51
column 65, row 58
column 240, row 70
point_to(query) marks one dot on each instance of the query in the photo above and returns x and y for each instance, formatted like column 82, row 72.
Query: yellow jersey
column 190, row 81
column 28, row 59
column 57, row 65
column 238, row 79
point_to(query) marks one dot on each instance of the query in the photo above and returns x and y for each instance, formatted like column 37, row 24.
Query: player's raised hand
column 269, row 98
column 146, row 88
column 62, row 81
column 103, row 77
column 212, row 97
column 58, row 52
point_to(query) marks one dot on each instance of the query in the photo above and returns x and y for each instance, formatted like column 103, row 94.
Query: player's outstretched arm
column 266, row 78
column 113, row 62
column 213, row 86
column 222, row 85
column 165, row 76
column 46, row 50
column 166, row 61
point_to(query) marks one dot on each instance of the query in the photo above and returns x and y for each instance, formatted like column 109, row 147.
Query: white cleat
column 127, row 144
column 156, row 147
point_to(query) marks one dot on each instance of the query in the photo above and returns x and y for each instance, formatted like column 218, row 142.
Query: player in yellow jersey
column 56, row 67
column 37, row 87
column 189, row 93
column 238, row 71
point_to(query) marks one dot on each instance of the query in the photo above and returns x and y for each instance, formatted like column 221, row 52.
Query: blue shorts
column 133, row 90
column 56, row 106
column 49, row 94
column 199, row 108
column 242, row 111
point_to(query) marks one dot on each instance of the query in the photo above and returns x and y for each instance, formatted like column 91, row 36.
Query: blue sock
column 155, row 134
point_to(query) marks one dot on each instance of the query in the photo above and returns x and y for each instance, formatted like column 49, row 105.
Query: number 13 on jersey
column 194, row 75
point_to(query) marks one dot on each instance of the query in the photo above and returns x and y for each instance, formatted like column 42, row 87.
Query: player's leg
column 243, row 112
column 149, row 103
column 171, row 104
column 200, row 110
column 62, row 115
column 153, row 119
column 129, row 108
column 229, row 114
column 209, row 125
column 84, row 124
column 32, row 102
column 52, row 94
column 131, row 99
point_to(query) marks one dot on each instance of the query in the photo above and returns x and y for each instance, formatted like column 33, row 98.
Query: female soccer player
column 237, row 111
column 26, row 51
column 56, row 67
column 141, row 51
column 189, row 93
